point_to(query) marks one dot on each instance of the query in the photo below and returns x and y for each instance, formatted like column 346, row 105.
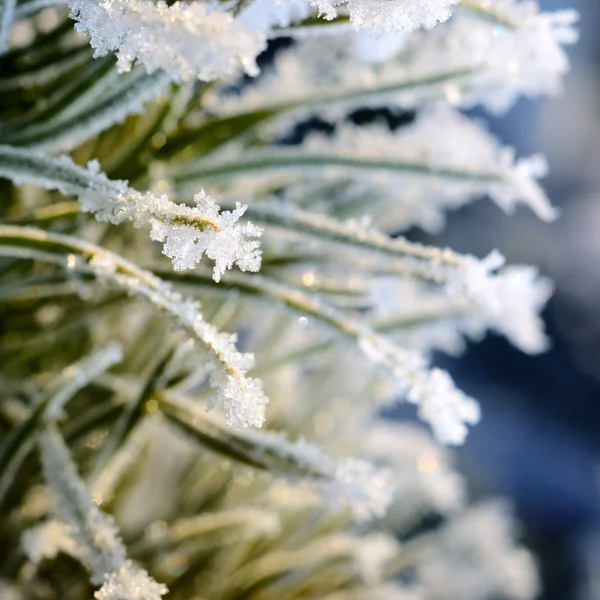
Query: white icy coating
column 476, row 294
column 130, row 583
column 188, row 41
column 440, row 403
column 523, row 57
column 47, row 540
column 475, row 557
column 242, row 397
column 186, row 232
column 508, row 300
column 461, row 161
column 388, row 15
column 487, row 62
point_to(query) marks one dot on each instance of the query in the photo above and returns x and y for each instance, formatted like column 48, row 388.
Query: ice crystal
column 188, row 41
column 516, row 49
column 130, row 583
column 383, row 15
column 186, row 232
column 440, row 403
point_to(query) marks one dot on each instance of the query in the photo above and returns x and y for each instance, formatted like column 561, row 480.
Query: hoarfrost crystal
column 186, row 40
column 130, row 583
column 186, row 232
column 386, row 15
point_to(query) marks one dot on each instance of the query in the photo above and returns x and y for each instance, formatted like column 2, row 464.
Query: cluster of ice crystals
column 386, row 16
column 477, row 297
column 508, row 301
column 497, row 62
column 460, row 161
column 518, row 49
column 130, row 583
column 440, row 403
column 476, row 557
column 186, row 232
column 243, row 398
column 188, row 41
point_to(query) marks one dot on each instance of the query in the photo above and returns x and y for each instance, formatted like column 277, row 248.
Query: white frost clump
column 187, row 232
column 508, row 301
column 130, row 583
column 186, row 40
column 440, row 403
column 386, row 15
column 515, row 49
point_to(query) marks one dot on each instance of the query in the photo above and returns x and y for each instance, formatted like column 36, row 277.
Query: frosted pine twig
column 242, row 397
column 481, row 55
column 440, row 403
column 98, row 543
column 188, row 41
column 187, row 233
column 506, row 299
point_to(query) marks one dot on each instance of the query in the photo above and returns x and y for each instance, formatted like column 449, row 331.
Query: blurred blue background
column 539, row 439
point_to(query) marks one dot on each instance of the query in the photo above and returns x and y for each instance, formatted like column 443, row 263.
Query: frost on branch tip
column 186, row 232
column 440, row 403
column 130, row 583
column 386, row 15
column 242, row 397
column 188, row 41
